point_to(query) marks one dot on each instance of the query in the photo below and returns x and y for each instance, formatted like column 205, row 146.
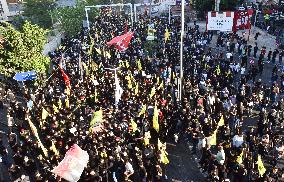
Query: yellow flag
column 91, row 46
column 94, row 65
column 34, row 131
column 108, row 55
column 55, row 110
column 221, row 122
column 100, row 65
column 167, row 35
column 240, row 159
column 147, row 137
column 67, row 102
column 92, row 78
column 164, row 158
column 86, row 68
column 261, row 168
column 143, row 110
column 126, row 64
column 153, row 91
column 103, row 154
column 136, row 89
column 131, row 76
column 139, row 65
column 98, row 51
column 161, row 85
column 121, row 63
column 53, row 148
column 67, row 91
column 218, row 71
column 59, row 104
column 146, row 141
column 44, row 114
column 129, row 84
column 134, row 125
column 156, row 119
column 174, row 76
column 213, row 138
column 97, row 117
column 90, row 51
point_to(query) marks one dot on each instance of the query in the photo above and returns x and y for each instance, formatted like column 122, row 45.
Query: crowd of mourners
column 230, row 117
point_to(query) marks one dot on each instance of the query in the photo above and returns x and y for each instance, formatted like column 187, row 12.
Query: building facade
column 10, row 8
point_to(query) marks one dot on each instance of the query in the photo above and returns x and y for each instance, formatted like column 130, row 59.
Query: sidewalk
column 264, row 39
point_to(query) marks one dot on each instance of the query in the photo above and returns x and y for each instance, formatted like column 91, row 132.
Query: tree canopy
column 22, row 49
column 39, row 12
column 70, row 19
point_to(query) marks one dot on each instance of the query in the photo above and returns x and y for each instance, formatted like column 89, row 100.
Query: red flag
column 65, row 77
column 121, row 42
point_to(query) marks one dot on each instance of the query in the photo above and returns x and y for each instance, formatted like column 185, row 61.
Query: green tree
column 70, row 19
column 22, row 50
column 203, row 6
column 39, row 12
column 228, row 5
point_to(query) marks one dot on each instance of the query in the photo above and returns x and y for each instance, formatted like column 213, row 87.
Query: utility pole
column 150, row 9
column 181, row 50
column 217, row 4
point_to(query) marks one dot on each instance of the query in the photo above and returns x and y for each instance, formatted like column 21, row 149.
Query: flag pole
column 181, row 49
column 169, row 14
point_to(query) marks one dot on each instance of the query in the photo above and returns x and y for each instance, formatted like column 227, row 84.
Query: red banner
column 242, row 20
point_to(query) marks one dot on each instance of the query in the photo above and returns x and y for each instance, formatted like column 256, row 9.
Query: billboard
column 222, row 21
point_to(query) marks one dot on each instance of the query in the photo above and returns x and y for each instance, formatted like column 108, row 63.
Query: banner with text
column 222, row 21
column 242, row 20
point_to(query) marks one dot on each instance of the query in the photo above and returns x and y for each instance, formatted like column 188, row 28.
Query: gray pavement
column 183, row 165
column 264, row 39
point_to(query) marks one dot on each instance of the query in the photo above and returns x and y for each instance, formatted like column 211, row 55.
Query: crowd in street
column 220, row 92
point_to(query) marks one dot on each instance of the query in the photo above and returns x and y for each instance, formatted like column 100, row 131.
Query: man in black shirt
column 274, row 54
column 281, row 56
column 255, row 49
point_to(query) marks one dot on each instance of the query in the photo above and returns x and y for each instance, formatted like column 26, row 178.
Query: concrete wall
column 53, row 43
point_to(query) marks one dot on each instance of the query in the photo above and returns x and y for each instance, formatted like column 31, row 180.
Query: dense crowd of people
column 220, row 93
